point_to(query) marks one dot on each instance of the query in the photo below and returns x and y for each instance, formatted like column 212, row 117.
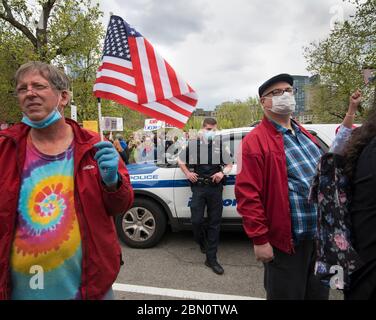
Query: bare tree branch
column 334, row 62
column 47, row 8
column 8, row 16
column 42, row 37
column 7, row 8
column 340, row 116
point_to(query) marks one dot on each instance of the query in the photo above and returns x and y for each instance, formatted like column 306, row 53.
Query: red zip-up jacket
column 261, row 187
column 95, row 208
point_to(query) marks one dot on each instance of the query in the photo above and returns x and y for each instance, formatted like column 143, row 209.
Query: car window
column 168, row 156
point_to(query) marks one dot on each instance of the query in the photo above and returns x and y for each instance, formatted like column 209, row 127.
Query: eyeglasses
column 36, row 88
column 280, row 92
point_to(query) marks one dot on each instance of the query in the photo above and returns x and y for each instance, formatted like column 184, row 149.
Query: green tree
column 66, row 33
column 55, row 28
column 326, row 103
column 339, row 60
column 10, row 53
column 239, row 113
column 193, row 123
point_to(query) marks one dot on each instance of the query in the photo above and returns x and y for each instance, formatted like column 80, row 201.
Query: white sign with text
column 112, row 124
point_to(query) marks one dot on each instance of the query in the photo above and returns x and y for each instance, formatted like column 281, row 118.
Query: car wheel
column 143, row 225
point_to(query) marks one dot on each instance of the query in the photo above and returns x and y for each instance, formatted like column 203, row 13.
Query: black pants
column 291, row 277
column 211, row 197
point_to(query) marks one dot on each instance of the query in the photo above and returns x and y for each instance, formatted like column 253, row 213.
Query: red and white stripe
column 148, row 84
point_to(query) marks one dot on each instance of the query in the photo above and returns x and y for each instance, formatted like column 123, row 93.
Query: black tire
column 143, row 225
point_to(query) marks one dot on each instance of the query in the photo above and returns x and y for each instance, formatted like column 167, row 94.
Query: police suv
column 163, row 194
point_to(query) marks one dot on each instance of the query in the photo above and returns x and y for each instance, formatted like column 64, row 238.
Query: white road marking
column 184, row 294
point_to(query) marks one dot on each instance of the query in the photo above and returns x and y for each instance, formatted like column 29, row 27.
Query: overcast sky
column 226, row 49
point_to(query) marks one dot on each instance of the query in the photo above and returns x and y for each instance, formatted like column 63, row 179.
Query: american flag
column 133, row 74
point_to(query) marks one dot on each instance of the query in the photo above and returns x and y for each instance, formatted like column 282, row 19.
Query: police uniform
column 206, row 158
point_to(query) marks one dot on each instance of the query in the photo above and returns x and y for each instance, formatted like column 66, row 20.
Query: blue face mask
column 209, row 135
column 52, row 118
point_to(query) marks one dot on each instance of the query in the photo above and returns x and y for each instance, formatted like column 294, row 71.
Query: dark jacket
column 363, row 219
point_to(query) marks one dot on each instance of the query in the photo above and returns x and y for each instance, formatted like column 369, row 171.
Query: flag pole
column 100, row 106
column 100, row 118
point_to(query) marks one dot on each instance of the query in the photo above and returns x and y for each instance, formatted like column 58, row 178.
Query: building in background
column 201, row 113
column 300, row 83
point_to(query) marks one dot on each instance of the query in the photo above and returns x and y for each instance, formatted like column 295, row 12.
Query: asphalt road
column 175, row 269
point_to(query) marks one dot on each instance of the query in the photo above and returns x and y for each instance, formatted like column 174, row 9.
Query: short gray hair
column 55, row 76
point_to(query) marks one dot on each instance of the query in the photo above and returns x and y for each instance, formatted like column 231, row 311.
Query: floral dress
column 335, row 253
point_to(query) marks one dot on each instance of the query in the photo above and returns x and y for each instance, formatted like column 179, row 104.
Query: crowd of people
column 63, row 185
column 150, row 147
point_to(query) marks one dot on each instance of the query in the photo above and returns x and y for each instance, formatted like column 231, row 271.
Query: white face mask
column 209, row 135
column 284, row 104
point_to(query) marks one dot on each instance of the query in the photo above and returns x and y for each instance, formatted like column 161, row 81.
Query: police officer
column 205, row 162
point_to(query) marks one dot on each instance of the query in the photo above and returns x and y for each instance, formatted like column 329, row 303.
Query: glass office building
column 300, row 83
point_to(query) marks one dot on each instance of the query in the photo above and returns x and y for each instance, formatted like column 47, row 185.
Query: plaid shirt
column 302, row 157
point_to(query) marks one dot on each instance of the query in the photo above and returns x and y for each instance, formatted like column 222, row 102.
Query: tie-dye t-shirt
column 46, row 253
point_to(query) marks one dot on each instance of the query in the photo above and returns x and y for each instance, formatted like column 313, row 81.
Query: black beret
column 284, row 77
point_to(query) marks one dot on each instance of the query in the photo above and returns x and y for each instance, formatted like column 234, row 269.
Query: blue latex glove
column 108, row 161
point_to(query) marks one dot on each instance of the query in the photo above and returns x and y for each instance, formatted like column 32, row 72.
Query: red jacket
column 261, row 187
column 101, row 254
